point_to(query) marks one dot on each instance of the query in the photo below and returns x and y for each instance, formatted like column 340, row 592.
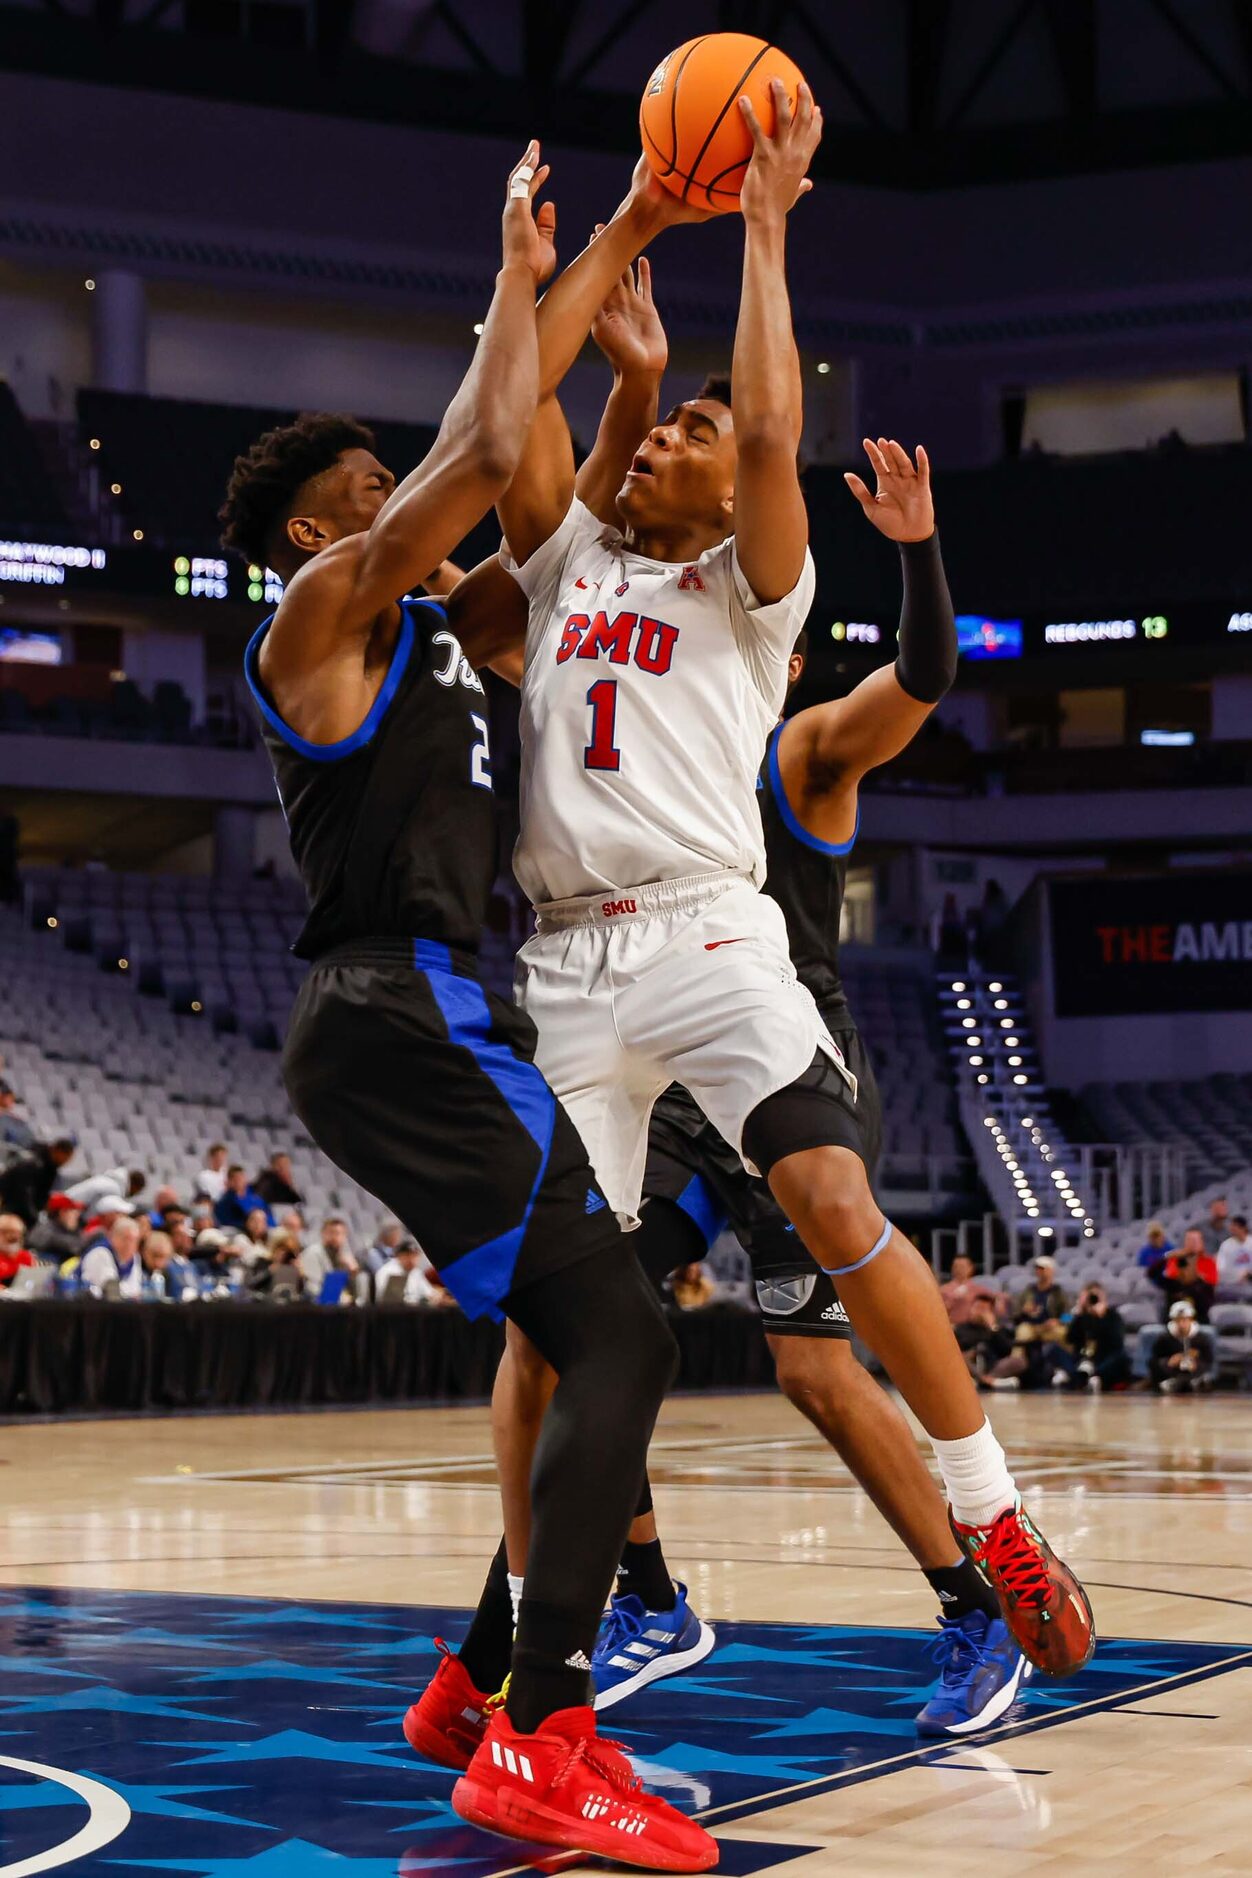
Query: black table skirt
column 78, row 1356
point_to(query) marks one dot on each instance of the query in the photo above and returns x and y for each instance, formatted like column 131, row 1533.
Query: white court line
column 110, row 1816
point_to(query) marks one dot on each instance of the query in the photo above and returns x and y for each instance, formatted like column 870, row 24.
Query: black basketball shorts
column 691, row 1165
column 420, row 1084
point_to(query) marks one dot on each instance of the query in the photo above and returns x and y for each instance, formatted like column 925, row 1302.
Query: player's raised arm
column 826, row 750
column 539, row 497
column 629, row 333
column 771, row 525
column 341, row 590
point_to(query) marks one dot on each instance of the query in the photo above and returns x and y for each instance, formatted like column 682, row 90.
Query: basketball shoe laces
column 958, row 1653
column 1010, row 1554
column 608, row 1760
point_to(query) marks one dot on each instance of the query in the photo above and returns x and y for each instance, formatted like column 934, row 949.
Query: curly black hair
column 716, row 388
column 267, row 478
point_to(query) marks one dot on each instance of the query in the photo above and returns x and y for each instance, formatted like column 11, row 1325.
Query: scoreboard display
column 1143, row 637
column 74, row 567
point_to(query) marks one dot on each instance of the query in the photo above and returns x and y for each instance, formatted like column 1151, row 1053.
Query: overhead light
column 1027, row 1121
column 479, row 327
column 90, row 285
column 1006, row 1023
column 1021, row 1080
column 962, row 1004
column 994, row 986
column 93, row 443
column 1001, row 1004
column 116, row 488
column 975, row 1062
column 1015, row 1062
column 983, row 1079
column 969, row 1022
column 958, row 984
column 823, row 368
column 1010, row 1042
column 138, row 534
column 975, row 1043
column 1045, row 1232
column 52, row 925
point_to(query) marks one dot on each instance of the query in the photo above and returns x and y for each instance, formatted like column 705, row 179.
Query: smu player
column 655, row 668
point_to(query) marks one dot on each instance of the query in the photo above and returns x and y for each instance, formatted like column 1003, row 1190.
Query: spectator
column 1093, row 1355
column 256, row 1235
column 1042, row 1306
column 26, row 1180
column 1037, row 1326
column 390, row 1236
column 183, row 1241
column 117, row 1261
column 1182, row 1360
column 1189, row 1274
column 57, row 1235
column 1234, row 1254
column 162, row 1200
column 284, row 1252
column 691, row 1287
column 1215, row 1228
column 211, row 1180
column 406, row 1262
column 14, row 1132
column 963, row 1291
column 275, row 1184
column 1154, row 1247
column 293, row 1221
column 328, row 1255
column 238, row 1201
column 217, row 1257
column 984, row 1338
column 14, row 1252
column 201, row 1218
column 167, row 1275
column 126, row 1182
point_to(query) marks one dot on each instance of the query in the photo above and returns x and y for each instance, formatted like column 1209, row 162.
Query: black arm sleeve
column 926, row 664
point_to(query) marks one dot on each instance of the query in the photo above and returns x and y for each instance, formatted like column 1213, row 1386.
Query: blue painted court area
column 239, row 1738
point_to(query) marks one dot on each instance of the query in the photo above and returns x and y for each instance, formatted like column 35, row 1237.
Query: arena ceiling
column 918, row 94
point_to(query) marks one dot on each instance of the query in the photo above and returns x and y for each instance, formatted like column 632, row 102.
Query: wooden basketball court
column 216, row 1612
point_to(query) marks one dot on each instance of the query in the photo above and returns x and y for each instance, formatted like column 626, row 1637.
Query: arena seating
column 29, row 504
column 201, row 1002
column 142, row 1086
column 1210, row 1120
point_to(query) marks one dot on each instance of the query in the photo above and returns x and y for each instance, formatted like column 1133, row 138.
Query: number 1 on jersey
column 601, row 752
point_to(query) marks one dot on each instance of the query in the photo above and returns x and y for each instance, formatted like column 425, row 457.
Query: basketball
column 694, row 136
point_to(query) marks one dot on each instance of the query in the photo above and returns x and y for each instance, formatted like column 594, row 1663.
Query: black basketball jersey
column 393, row 829
column 806, row 877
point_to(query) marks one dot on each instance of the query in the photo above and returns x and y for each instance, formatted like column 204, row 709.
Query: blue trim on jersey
column 791, row 819
column 697, row 1201
column 335, row 752
column 481, row 1278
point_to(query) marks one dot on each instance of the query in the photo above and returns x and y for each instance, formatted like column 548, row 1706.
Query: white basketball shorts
column 684, row 981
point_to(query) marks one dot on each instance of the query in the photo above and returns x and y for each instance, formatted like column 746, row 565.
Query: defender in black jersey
column 406, row 1072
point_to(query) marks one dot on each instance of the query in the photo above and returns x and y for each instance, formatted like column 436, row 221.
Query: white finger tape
column 522, row 179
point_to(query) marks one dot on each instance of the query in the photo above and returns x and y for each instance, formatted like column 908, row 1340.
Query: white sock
column 515, row 1592
column 978, row 1483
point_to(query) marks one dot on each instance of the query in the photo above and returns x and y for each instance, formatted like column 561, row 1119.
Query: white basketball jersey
column 649, row 692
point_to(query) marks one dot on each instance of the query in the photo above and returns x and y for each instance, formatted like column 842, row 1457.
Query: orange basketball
column 694, row 136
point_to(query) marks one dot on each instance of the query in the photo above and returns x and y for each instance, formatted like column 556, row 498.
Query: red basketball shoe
column 565, row 1786
column 1044, row 1605
column 448, row 1721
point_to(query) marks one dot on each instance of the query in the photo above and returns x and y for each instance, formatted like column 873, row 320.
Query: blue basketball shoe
column 983, row 1673
column 637, row 1646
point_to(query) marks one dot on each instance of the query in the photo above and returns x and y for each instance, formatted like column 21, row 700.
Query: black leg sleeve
column 603, row 1331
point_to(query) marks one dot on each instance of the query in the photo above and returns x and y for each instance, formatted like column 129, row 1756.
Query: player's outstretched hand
column 777, row 175
column 530, row 233
column 658, row 206
column 628, row 328
column 901, row 507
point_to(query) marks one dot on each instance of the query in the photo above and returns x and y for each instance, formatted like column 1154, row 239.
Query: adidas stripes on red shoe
column 448, row 1721
column 564, row 1786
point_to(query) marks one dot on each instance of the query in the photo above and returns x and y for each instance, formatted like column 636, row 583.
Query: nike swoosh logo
column 712, row 944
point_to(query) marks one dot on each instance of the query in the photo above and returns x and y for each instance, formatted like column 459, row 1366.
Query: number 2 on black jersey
column 601, row 752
